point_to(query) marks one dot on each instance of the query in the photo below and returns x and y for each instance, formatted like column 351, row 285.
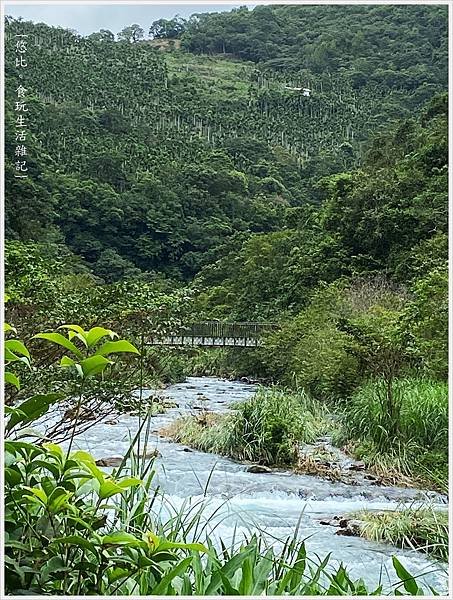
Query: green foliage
column 31, row 270
column 347, row 331
column 388, row 219
column 167, row 28
column 414, row 434
column 426, row 323
column 319, row 39
column 422, row 528
column 266, row 429
column 310, row 351
column 57, row 540
column 156, row 172
column 90, row 364
column 14, row 352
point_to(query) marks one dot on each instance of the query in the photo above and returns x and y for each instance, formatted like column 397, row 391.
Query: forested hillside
column 385, row 45
column 144, row 160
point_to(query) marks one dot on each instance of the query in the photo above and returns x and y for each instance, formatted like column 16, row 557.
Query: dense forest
column 286, row 164
column 184, row 152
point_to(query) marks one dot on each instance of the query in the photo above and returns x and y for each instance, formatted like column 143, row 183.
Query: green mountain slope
column 146, row 160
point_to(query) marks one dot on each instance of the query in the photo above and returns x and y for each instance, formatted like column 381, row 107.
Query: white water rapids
column 273, row 503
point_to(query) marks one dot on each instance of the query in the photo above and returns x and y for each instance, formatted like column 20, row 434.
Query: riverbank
column 277, row 427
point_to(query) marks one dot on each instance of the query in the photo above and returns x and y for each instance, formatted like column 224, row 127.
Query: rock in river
column 110, row 461
column 258, row 469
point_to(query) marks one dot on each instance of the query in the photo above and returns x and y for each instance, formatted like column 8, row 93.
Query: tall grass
column 267, row 428
column 422, row 408
column 421, row 528
column 414, row 437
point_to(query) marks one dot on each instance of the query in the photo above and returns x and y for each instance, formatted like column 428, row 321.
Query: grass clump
column 412, row 438
column 266, row 429
column 422, row 529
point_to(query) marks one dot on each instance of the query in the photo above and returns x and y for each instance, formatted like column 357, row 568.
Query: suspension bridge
column 216, row 334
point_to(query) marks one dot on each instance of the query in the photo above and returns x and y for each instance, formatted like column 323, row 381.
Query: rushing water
column 273, row 503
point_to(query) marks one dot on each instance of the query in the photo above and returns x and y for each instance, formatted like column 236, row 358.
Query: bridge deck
column 216, row 334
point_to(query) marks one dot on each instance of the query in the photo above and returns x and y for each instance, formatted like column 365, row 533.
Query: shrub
column 267, row 428
column 311, row 352
column 418, row 436
column 418, row 528
column 347, row 331
column 426, row 324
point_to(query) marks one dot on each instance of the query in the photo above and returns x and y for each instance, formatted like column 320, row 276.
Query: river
column 272, row 503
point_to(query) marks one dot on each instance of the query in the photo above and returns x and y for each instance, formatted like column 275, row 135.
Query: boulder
column 350, row 527
column 358, row 466
column 258, row 469
column 110, row 461
column 152, row 453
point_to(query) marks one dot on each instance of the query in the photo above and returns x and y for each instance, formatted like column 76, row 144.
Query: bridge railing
column 215, row 333
column 217, row 329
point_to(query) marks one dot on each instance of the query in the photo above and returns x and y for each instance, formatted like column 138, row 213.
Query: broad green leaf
column 97, row 333
column 26, row 432
column 39, row 493
column 54, row 565
column 154, row 542
column 9, row 459
column 116, row 347
column 61, row 340
column 47, row 465
column 88, row 461
column 75, row 328
column 76, row 540
column 75, row 331
column 54, row 449
column 11, row 357
column 67, row 362
column 94, row 365
column 128, row 482
column 33, row 408
column 410, row 585
column 228, row 570
column 7, row 327
column 12, row 379
column 58, row 498
column 161, row 588
column 13, row 445
column 17, row 347
column 12, row 476
column 261, row 573
column 122, row 538
column 118, row 573
column 109, row 488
